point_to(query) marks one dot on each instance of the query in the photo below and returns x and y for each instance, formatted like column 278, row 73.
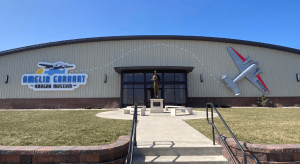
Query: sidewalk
column 163, row 129
column 170, row 131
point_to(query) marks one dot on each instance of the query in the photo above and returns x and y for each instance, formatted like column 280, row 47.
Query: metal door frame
column 147, row 83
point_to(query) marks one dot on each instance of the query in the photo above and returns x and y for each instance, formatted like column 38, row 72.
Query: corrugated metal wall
column 99, row 58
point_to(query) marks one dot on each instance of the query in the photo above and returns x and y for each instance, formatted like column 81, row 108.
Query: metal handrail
column 215, row 128
column 132, row 142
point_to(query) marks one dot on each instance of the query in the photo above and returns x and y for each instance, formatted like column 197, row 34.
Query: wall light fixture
column 105, row 78
column 201, row 78
column 6, row 79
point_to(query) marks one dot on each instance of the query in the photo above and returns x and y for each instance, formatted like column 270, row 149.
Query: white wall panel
column 279, row 67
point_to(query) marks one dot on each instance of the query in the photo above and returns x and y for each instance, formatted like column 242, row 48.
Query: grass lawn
column 59, row 128
column 255, row 125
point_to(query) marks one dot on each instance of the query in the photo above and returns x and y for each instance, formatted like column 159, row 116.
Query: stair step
column 180, row 159
column 178, row 151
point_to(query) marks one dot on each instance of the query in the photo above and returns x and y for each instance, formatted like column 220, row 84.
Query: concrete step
column 202, row 150
column 180, row 159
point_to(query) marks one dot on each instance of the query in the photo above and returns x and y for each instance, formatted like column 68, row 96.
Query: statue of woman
column 156, row 80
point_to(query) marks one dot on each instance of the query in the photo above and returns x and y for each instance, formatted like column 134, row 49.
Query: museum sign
column 54, row 77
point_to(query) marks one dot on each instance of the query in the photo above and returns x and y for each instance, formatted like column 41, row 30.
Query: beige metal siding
column 279, row 68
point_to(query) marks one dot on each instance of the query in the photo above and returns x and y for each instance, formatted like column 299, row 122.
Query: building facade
column 116, row 72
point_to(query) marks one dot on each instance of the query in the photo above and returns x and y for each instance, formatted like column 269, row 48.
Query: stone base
column 77, row 154
column 267, row 154
column 157, row 110
column 157, row 105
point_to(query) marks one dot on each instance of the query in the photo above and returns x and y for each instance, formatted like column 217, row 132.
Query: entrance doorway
column 137, row 87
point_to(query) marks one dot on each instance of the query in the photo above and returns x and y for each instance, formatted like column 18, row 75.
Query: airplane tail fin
column 231, row 84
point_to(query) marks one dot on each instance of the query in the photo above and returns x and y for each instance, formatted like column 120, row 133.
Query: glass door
column 137, row 87
column 132, row 90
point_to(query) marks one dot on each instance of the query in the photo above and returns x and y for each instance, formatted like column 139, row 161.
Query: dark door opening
column 137, row 87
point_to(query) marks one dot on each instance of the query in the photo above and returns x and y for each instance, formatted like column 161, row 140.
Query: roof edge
column 188, row 69
column 143, row 37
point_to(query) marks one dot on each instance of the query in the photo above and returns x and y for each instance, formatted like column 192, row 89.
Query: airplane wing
column 238, row 59
column 258, row 82
column 46, row 65
column 63, row 67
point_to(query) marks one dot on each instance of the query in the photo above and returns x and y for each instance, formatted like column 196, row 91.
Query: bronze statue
column 156, row 80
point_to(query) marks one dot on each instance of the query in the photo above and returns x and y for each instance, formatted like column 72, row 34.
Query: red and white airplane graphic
column 248, row 70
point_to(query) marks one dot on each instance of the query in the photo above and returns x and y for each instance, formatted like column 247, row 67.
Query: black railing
column 221, row 138
column 132, row 142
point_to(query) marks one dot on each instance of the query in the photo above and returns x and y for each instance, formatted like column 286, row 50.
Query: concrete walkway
column 162, row 138
column 119, row 114
column 170, row 131
column 163, row 129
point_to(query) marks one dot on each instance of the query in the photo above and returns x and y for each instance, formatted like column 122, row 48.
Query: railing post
column 212, row 121
column 135, row 122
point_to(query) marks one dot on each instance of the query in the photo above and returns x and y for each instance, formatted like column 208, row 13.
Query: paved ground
column 162, row 129
column 119, row 114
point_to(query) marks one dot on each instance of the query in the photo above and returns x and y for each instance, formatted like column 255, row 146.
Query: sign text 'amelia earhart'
column 54, row 77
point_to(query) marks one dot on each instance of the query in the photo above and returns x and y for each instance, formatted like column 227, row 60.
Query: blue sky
column 29, row 22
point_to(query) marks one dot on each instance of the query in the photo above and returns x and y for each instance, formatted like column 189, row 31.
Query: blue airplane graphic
column 56, row 68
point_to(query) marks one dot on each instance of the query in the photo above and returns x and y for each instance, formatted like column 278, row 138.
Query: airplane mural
column 56, row 68
column 248, row 69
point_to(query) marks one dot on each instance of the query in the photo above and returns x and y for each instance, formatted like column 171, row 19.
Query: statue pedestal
column 157, row 105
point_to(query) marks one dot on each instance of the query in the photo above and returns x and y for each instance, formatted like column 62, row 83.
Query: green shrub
column 263, row 101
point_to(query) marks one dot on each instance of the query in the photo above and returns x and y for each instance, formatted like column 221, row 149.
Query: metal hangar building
column 116, row 72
